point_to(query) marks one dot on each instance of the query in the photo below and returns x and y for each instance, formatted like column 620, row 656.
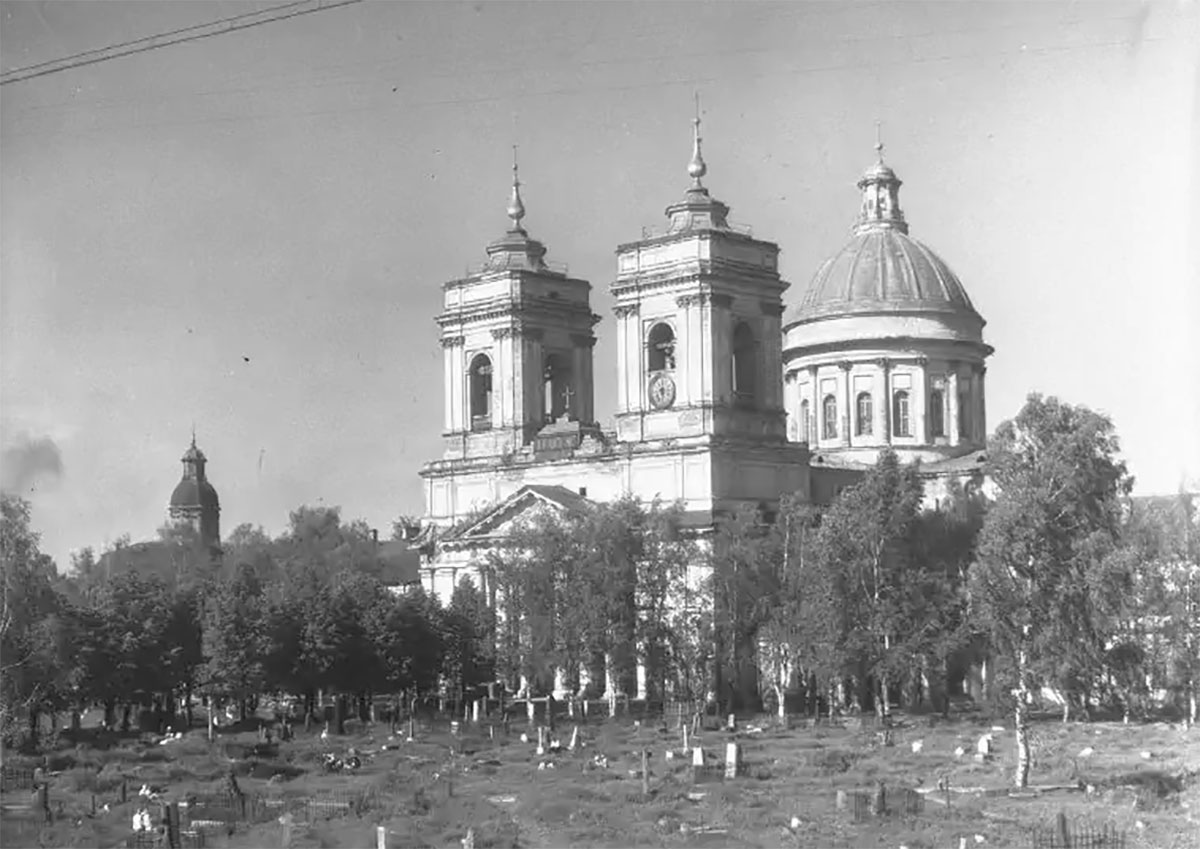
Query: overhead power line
column 178, row 36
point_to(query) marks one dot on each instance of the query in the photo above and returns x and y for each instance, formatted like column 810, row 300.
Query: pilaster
column 846, row 414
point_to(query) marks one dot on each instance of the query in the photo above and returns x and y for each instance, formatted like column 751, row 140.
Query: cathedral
column 727, row 392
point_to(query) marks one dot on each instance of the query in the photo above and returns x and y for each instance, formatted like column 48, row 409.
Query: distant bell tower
column 194, row 500
column 698, row 312
column 517, row 341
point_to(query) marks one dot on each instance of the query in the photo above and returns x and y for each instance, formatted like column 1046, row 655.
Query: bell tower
column 194, row 500
column 517, row 341
column 698, row 312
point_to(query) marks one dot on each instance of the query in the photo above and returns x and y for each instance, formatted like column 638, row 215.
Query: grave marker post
column 380, row 837
column 645, row 773
column 173, row 825
column 1062, row 831
column 732, row 759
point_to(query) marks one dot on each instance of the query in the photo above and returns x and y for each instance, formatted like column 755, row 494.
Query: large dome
column 883, row 270
column 194, row 493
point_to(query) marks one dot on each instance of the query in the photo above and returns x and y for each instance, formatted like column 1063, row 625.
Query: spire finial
column 516, row 209
column 878, row 140
column 696, row 168
column 193, row 434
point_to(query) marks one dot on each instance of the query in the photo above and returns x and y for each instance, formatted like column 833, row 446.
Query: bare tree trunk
column 1021, row 778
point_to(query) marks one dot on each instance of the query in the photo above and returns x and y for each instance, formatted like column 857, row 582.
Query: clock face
column 661, row 391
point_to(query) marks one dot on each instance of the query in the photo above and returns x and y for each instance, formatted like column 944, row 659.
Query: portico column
column 814, row 407
column 952, row 399
column 918, row 409
column 844, row 433
column 884, row 416
column 982, row 406
column 791, row 404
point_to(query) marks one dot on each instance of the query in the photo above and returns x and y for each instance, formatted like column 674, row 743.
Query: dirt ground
column 430, row 792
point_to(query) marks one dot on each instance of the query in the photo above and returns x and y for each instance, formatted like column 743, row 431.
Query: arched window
column 900, row 419
column 937, row 413
column 743, row 363
column 865, row 412
column 556, row 386
column 661, row 344
column 805, row 421
column 479, row 377
column 964, row 414
column 829, row 417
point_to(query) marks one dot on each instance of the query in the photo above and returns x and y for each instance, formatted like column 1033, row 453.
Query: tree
column 467, row 662
column 795, row 638
column 235, row 639
column 28, row 637
column 744, row 581
column 1163, row 540
column 1056, row 514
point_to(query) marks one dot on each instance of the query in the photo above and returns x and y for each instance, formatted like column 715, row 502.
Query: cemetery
column 668, row 778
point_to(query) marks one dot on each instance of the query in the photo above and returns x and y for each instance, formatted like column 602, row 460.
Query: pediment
column 524, row 505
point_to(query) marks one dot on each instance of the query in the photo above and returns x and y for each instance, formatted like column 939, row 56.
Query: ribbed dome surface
column 193, row 493
column 882, row 270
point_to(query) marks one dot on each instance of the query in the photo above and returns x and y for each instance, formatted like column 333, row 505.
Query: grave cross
column 568, row 394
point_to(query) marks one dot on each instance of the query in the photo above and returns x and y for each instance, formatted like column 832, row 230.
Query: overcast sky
column 249, row 232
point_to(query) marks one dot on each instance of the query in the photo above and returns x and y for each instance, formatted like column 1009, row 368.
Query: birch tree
column 1056, row 513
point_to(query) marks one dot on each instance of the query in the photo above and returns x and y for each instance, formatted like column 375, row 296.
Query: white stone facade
column 723, row 398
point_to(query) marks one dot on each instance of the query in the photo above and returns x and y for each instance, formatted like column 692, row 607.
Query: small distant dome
column 878, row 172
column 193, row 453
column 879, row 271
column 194, row 493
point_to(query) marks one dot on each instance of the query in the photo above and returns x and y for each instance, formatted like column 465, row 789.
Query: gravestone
column 879, row 800
column 733, row 757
